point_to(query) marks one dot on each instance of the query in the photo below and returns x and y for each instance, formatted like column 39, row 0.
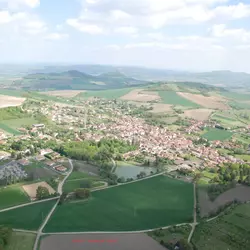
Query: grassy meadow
column 155, row 202
column 214, row 134
column 12, row 196
column 29, row 217
column 21, row 241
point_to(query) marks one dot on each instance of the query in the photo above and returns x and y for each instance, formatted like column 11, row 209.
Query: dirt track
column 100, row 242
column 241, row 193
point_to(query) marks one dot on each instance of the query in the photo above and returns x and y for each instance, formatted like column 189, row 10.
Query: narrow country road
column 60, row 185
column 28, row 204
column 195, row 221
column 59, row 190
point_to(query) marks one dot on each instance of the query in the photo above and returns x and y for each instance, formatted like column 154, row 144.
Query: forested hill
column 74, row 79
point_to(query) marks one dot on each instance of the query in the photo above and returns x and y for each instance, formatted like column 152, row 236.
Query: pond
column 128, row 170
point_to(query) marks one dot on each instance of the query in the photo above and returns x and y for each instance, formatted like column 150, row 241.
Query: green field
column 243, row 157
column 240, row 105
column 236, row 96
column 170, row 97
column 151, row 203
column 21, row 122
column 29, row 217
column 9, row 129
column 16, row 93
column 71, row 185
column 12, row 196
column 230, row 231
column 21, row 241
column 217, row 134
column 108, row 94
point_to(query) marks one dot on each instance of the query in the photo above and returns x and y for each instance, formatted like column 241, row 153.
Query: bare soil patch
column 198, row 114
column 100, row 241
column 140, row 95
column 241, row 193
column 212, row 102
column 161, row 108
column 31, row 189
column 10, row 101
column 63, row 93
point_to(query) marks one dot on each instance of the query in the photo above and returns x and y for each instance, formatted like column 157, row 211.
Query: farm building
column 23, row 162
column 61, row 168
column 46, row 151
column 50, row 163
column 4, row 155
column 40, row 157
column 38, row 126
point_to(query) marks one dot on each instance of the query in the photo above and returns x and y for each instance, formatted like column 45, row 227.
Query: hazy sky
column 174, row 34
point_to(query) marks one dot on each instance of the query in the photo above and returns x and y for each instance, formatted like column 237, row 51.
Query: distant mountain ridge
column 74, row 79
column 221, row 77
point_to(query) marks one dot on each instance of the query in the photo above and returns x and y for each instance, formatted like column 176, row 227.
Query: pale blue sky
column 173, row 34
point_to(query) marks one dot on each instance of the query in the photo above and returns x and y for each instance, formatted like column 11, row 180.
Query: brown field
column 160, row 108
column 31, row 189
column 63, row 93
column 100, row 241
column 10, row 101
column 140, row 95
column 212, row 102
column 241, row 193
column 198, row 114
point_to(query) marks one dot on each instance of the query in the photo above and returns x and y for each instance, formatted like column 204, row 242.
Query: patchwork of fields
column 228, row 232
column 151, row 203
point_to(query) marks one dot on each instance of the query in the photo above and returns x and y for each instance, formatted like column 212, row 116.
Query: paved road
column 28, row 204
column 59, row 190
column 195, row 221
column 60, row 185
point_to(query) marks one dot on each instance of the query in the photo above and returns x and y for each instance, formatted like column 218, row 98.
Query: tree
column 85, row 184
column 62, row 198
column 13, row 155
column 82, row 193
column 42, row 193
column 5, row 236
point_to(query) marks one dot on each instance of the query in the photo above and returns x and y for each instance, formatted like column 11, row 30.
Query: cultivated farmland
column 241, row 193
column 100, row 242
column 12, row 196
column 211, row 102
column 170, row 97
column 155, row 202
column 161, row 108
column 230, row 231
column 10, row 101
column 217, row 134
column 29, row 217
column 63, row 93
column 198, row 114
column 31, row 189
column 139, row 95
column 108, row 94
